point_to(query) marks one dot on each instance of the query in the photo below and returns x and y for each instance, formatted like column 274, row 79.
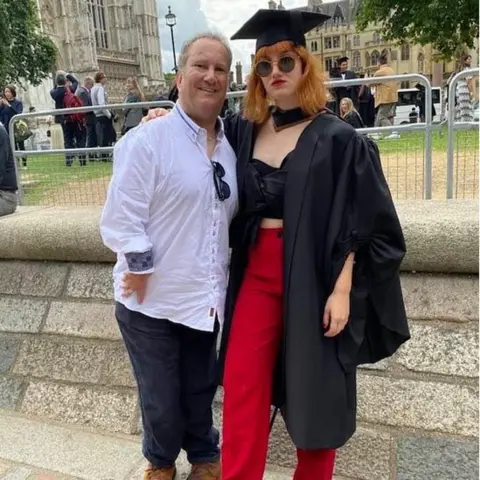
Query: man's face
column 202, row 83
column 89, row 84
column 344, row 66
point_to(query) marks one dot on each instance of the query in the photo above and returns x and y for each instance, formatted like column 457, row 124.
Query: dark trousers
column 92, row 136
column 20, row 145
column 175, row 371
column 104, row 134
column 74, row 136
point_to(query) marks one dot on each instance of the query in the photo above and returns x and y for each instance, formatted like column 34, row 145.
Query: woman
column 314, row 284
column 350, row 114
column 133, row 116
column 9, row 107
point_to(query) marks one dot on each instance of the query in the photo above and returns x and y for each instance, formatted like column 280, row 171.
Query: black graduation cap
column 342, row 59
column 272, row 26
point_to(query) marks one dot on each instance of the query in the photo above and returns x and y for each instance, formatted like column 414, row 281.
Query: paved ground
column 35, row 450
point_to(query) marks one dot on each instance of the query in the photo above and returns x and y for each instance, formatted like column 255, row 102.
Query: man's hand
column 154, row 113
column 135, row 283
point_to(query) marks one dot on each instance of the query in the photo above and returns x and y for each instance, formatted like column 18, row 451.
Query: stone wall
column 61, row 355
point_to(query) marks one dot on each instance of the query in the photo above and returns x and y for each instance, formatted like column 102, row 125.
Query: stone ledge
column 442, row 236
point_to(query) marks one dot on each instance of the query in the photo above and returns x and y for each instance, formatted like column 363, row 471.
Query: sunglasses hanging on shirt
column 222, row 188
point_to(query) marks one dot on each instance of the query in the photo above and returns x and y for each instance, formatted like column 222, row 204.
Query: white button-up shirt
column 163, row 212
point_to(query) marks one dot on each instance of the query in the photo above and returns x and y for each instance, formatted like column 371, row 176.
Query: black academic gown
column 342, row 92
column 336, row 201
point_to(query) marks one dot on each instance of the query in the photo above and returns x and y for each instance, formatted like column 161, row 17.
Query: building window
column 357, row 60
column 328, row 64
column 367, row 59
column 421, row 62
column 336, row 42
column 356, row 40
column 328, row 42
column 374, row 58
column 98, row 12
column 405, row 52
column 393, row 55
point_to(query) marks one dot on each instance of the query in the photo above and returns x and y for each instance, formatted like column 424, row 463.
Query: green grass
column 47, row 175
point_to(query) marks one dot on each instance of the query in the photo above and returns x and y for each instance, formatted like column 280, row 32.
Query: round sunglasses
column 285, row 64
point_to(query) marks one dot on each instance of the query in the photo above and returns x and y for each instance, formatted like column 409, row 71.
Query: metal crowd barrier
column 70, row 151
column 427, row 127
column 455, row 126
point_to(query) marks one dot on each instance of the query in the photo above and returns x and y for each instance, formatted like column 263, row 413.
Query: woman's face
column 280, row 74
column 8, row 94
column 344, row 106
column 128, row 84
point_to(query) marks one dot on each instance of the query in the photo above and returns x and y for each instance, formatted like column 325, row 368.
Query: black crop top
column 265, row 189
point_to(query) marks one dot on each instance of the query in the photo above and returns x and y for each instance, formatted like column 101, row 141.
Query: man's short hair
column 60, row 78
column 383, row 59
column 182, row 61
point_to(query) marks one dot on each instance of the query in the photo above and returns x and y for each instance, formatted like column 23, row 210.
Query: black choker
column 287, row 118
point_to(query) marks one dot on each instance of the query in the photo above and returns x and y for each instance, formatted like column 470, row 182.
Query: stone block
column 434, row 406
column 4, row 467
column 61, row 359
column 38, row 279
column 10, row 391
column 108, row 409
column 441, row 297
column 91, row 281
column 441, row 350
column 381, row 365
column 117, row 369
column 88, row 320
column 21, row 315
column 9, row 347
column 366, row 456
column 437, row 458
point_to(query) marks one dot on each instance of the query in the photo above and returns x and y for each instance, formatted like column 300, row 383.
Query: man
column 386, row 95
column 72, row 125
column 83, row 93
column 8, row 178
column 343, row 73
column 104, row 117
column 167, row 217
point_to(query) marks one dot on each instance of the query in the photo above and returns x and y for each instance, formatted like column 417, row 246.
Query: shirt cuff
column 140, row 262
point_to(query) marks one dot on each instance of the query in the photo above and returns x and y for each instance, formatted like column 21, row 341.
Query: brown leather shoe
column 205, row 471
column 159, row 473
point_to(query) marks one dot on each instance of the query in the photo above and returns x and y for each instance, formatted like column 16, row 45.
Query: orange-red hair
column 312, row 94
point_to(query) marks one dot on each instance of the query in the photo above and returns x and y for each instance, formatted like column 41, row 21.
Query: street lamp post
column 171, row 20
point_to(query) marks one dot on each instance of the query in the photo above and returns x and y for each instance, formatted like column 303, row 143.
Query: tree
column 169, row 78
column 447, row 25
column 26, row 54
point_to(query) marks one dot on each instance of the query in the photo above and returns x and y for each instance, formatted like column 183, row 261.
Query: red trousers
column 253, row 347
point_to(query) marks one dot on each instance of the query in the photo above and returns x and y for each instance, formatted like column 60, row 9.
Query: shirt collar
column 193, row 130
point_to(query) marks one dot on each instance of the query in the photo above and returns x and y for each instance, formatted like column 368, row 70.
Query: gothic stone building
column 119, row 37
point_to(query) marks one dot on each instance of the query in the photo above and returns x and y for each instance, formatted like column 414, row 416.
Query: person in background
column 104, row 117
column 10, row 106
column 420, row 102
column 343, row 73
column 8, row 177
column 366, row 105
column 84, row 93
column 386, row 96
column 350, row 114
column 132, row 116
column 63, row 93
column 413, row 116
column 34, row 127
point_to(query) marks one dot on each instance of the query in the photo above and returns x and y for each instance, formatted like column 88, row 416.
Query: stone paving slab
column 59, row 452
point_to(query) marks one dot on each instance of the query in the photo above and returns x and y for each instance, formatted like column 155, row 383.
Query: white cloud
column 194, row 16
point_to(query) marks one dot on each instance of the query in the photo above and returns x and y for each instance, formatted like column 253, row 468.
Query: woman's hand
column 154, row 113
column 337, row 311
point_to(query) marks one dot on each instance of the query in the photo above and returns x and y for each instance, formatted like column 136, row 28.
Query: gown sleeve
column 370, row 227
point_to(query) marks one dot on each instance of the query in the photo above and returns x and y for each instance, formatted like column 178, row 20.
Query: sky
column 224, row 16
